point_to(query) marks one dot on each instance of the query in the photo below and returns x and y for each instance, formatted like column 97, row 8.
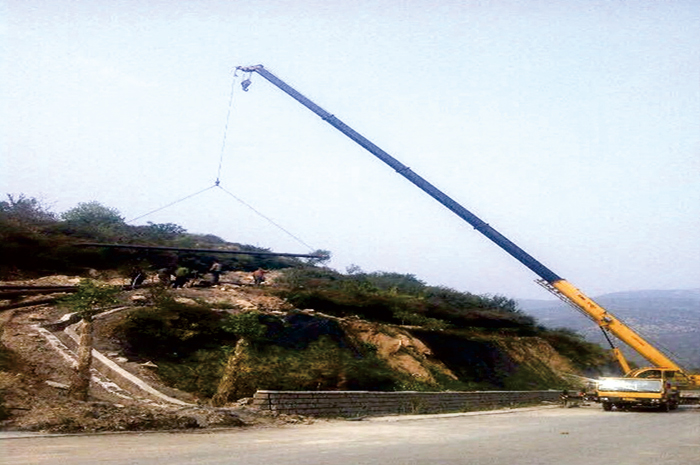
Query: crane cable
column 245, row 84
column 217, row 183
column 171, row 204
column 269, row 220
column 228, row 117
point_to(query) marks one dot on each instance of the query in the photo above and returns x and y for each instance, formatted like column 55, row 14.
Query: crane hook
column 245, row 84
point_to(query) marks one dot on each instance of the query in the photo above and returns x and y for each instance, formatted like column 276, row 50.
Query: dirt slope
column 34, row 376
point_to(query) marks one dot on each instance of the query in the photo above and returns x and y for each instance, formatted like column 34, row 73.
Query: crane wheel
column 607, row 406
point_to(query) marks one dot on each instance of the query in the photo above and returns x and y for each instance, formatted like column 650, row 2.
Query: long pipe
column 184, row 249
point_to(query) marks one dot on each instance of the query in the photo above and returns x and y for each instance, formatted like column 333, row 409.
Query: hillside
column 212, row 345
column 181, row 340
column 668, row 319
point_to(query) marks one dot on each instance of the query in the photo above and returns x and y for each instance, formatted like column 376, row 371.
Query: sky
column 571, row 127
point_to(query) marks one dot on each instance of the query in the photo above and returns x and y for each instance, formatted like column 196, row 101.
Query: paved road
column 574, row 436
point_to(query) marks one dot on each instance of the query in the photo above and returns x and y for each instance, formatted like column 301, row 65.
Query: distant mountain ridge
column 668, row 319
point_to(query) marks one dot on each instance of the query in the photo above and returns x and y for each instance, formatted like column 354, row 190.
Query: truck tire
column 607, row 406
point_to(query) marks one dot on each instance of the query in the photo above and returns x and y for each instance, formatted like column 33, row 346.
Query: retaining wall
column 368, row 403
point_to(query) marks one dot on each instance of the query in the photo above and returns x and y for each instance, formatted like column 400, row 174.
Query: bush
column 172, row 331
column 323, row 365
column 399, row 299
column 199, row 372
column 33, row 241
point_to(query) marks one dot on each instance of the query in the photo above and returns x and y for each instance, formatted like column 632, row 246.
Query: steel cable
column 268, row 219
column 171, row 204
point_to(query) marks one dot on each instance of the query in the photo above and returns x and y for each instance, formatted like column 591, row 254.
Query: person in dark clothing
column 258, row 276
column 164, row 277
column 182, row 275
column 215, row 271
column 137, row 277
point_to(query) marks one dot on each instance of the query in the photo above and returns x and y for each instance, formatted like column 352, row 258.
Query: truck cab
column 625, row 393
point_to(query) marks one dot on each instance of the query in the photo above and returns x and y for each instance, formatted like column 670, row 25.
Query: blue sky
column 572, row 127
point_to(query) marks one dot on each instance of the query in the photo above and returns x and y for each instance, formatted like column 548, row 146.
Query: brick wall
column 363, row 403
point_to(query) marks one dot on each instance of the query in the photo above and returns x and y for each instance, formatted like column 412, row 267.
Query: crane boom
column 554, row 282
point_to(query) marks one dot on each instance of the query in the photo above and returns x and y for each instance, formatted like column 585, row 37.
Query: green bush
column 35, row 241
column 90, row 298
column 246, row 324
column 323, row 365
column 399, row 299
column 171, row 330
column 199, row 372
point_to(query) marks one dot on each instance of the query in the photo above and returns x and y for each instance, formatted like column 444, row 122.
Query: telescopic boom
column 550, row 280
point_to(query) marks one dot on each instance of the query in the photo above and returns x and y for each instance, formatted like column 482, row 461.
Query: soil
column 401, row 351
column 34, row 377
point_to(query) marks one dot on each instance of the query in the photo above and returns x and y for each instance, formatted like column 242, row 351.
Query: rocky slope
column 34, row 375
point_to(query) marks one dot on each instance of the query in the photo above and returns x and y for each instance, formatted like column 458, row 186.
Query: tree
column 25, row 210
column 322, row 257
column 89, row 299
column 94, row 221
column 354, row 269
column 166, row 230
column 92, row 213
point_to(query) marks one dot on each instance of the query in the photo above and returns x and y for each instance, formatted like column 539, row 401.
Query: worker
column 181, row 277
column 215, row 271
column 258, row 276
column 137, row 277
column 164, row 277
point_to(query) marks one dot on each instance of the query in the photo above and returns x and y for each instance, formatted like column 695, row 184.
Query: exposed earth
column 35, row 372
column 35, row 385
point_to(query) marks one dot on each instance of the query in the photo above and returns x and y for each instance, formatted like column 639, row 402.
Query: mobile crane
column 663, row 367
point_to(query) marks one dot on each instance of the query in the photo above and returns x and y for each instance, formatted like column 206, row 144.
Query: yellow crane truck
column 663, row 368
column 624, row 393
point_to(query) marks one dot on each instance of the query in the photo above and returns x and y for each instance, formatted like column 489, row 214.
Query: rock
column 57, row 385
column 139, row 299
column 148, row 364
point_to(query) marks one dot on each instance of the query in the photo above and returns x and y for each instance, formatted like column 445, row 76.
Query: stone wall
column 367, row 403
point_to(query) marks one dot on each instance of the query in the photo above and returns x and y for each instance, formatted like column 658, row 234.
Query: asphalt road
column 571, row 436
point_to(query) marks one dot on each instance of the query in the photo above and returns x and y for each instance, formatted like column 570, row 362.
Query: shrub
column 323, row 365
column 245, row 325
column 171, row 330
column 398, row 298
column 198, row 372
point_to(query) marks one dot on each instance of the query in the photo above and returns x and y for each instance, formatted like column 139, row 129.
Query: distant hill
column 668, row 319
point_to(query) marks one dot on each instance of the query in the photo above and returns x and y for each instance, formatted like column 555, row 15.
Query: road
column 572, row 436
